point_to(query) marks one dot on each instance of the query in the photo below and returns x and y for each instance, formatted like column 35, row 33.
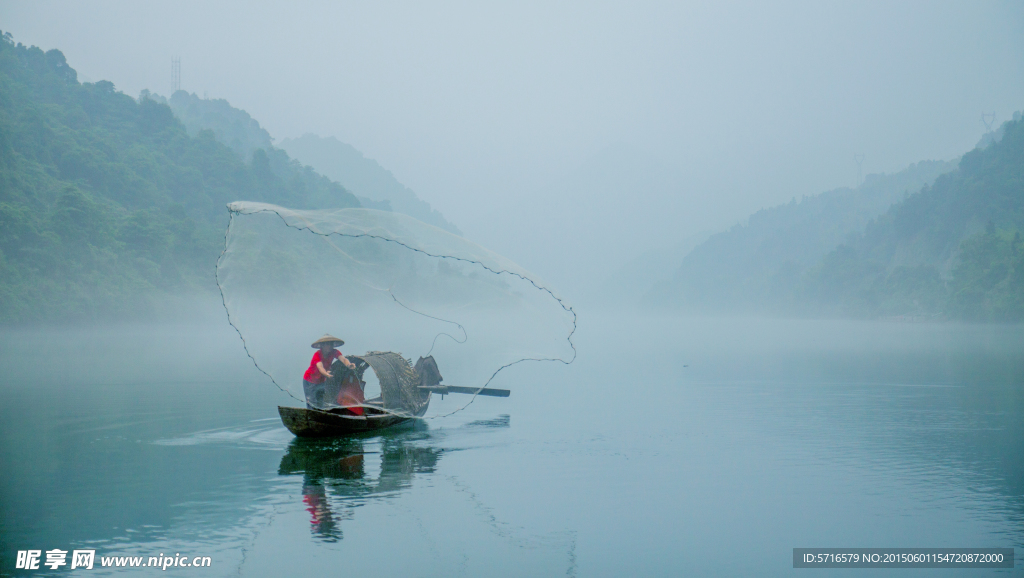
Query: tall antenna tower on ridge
column 859, row 159
column 175, row 74
column 989, row 119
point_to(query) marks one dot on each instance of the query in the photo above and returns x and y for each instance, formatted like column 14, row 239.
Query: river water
column 672, row 446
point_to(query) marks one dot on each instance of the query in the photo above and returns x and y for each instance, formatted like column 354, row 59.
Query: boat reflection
column 335, row 479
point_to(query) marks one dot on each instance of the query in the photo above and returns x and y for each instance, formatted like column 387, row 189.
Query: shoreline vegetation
column 112, row 209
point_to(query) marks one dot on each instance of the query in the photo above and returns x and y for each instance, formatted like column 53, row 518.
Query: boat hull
column 312, row 423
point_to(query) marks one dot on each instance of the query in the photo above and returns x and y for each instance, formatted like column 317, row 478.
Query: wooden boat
column 405, row 395
column 312, row 423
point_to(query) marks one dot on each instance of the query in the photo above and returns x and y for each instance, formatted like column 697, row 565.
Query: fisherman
column 320, row 393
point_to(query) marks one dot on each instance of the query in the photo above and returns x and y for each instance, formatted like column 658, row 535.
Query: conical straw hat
column 328, row 338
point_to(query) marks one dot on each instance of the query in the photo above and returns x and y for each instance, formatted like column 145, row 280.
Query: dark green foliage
column 107, row 205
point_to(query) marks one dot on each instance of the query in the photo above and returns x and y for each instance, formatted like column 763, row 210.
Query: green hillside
column 107, row 204
column 952, row 249
column 750, row 267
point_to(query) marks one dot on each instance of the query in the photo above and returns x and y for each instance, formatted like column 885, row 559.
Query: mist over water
column 686, row 442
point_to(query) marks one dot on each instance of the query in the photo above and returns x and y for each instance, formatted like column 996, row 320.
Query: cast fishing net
column 382, row 282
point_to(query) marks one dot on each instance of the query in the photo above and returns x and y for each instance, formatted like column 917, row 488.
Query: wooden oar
column 445, row 389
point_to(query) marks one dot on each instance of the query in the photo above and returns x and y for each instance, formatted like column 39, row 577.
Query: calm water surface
column 671, row 447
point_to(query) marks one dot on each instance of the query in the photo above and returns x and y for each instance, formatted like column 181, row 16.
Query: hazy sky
column 482, row 107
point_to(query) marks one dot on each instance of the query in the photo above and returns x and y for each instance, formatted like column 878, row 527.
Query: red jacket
column 313, row 374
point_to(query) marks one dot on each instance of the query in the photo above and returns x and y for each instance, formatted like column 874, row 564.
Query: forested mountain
column 107, row 204
column 741, row 269
column 363, row 176
column 954, row 247
column 951, row 249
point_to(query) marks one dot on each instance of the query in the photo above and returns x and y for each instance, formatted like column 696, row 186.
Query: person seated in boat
column 322, row 387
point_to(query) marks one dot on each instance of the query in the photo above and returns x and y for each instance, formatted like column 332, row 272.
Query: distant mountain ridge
column 950, row 248
column 232, row 126
column 739, row 268
column 372, row 184
column 363, row 176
